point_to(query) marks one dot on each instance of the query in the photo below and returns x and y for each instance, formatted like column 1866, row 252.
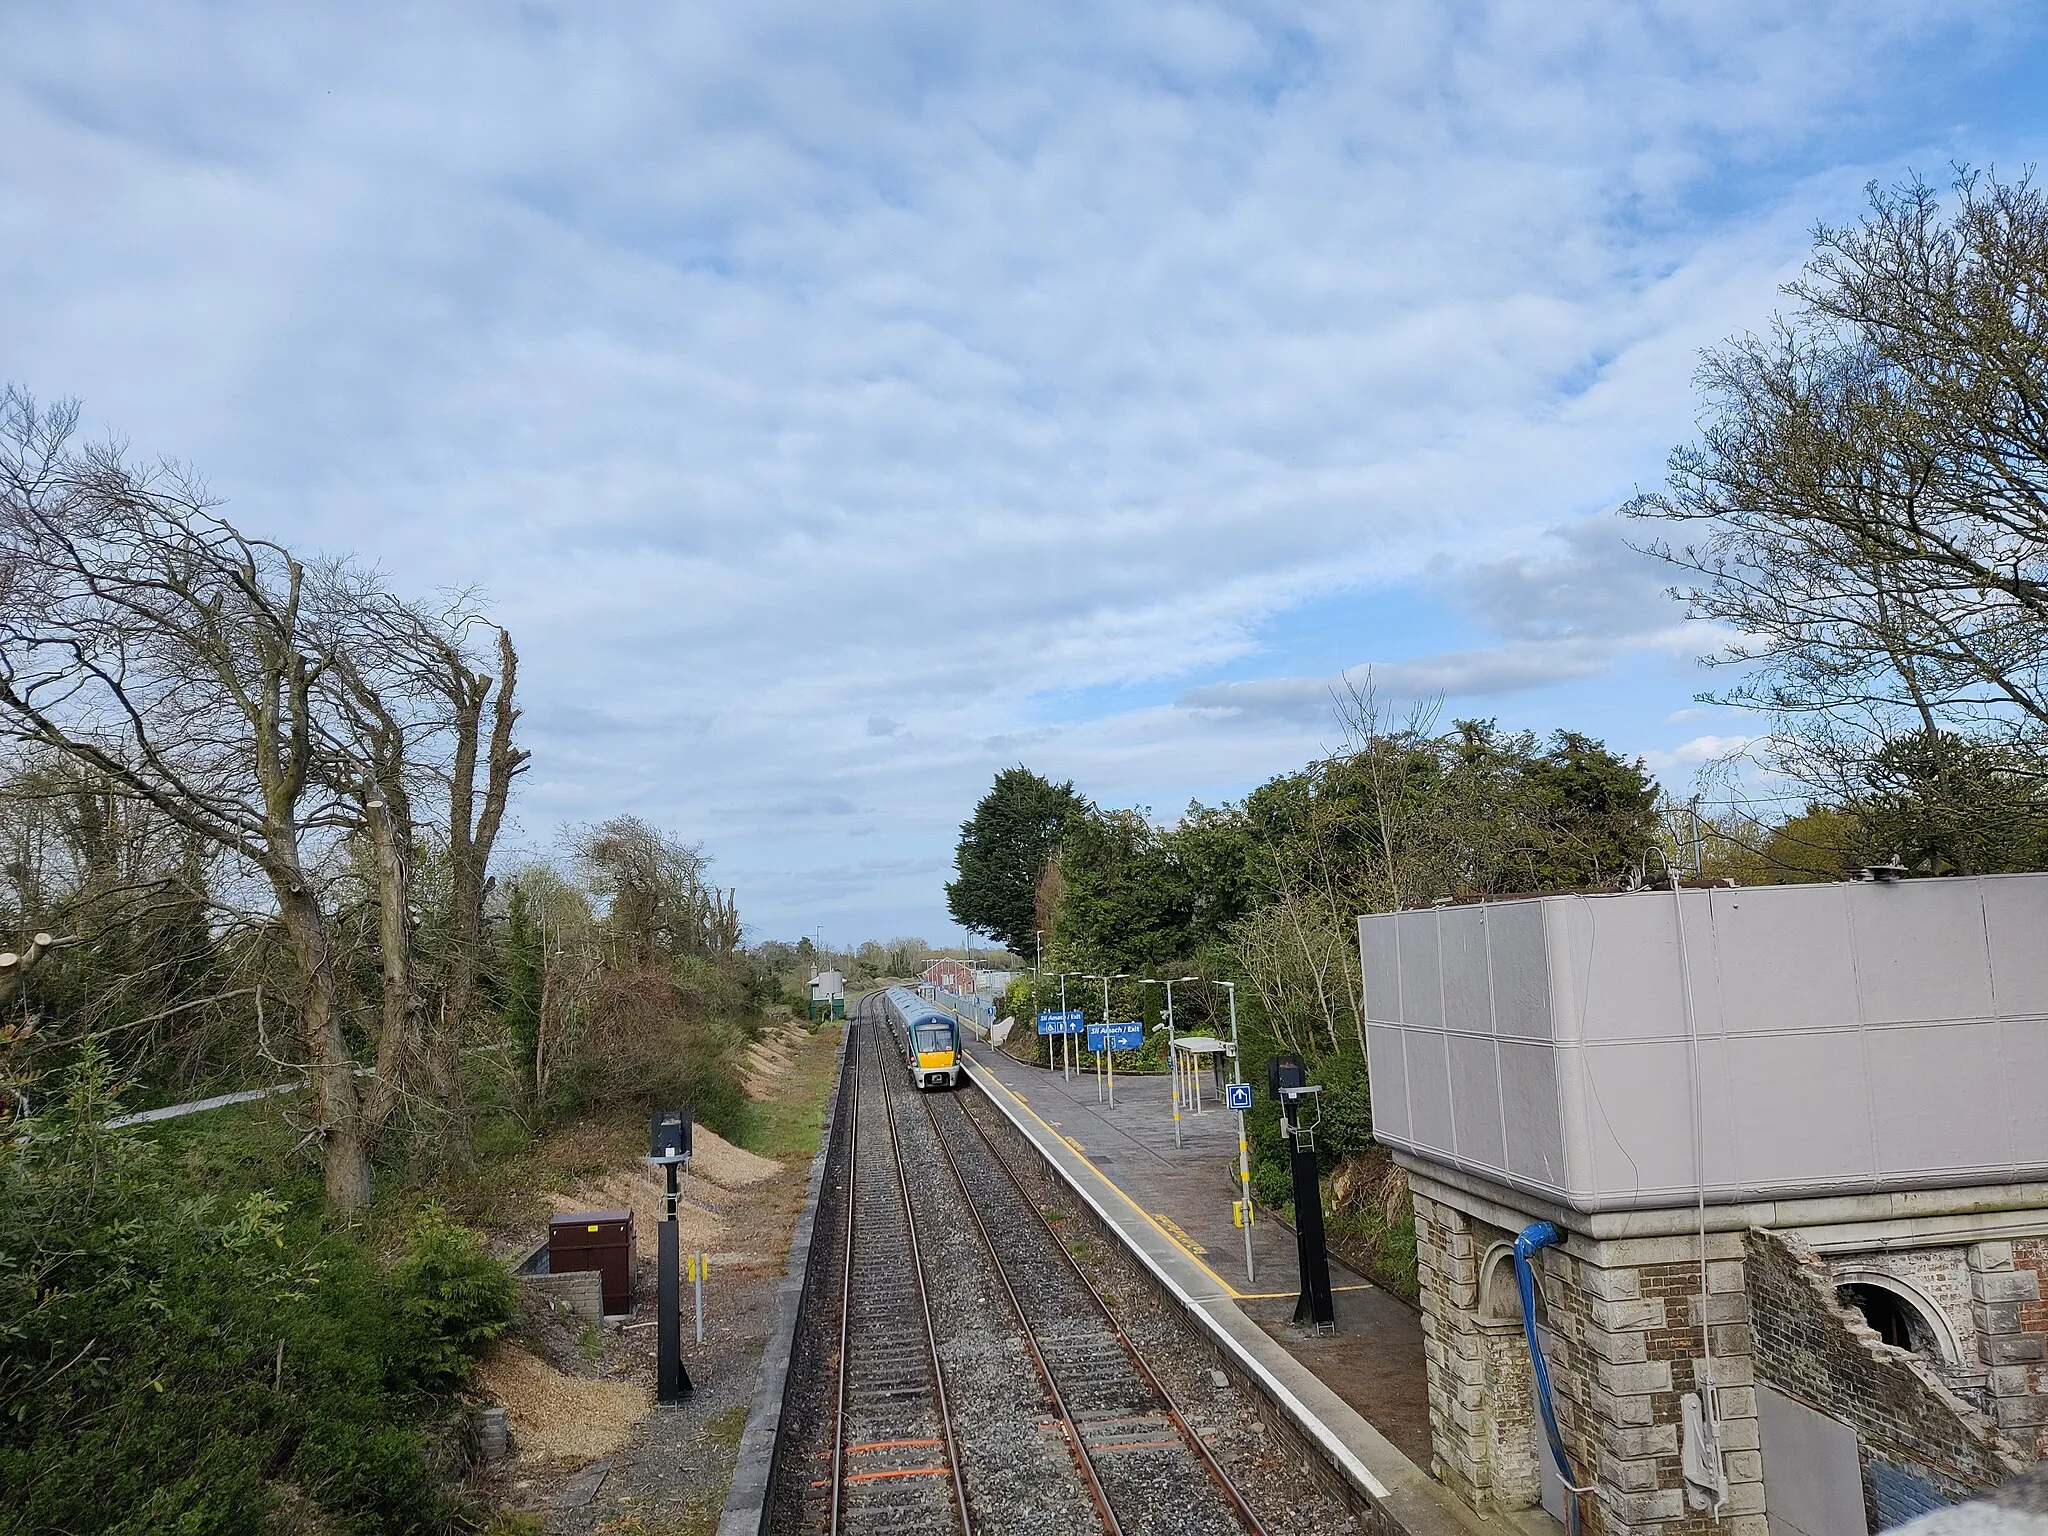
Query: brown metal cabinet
column 599, row 1240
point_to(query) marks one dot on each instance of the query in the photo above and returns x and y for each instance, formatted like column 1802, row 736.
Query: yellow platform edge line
column 1195, row 1259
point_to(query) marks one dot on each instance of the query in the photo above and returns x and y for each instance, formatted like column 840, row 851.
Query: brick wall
column 2009, row 1304
column 1918, row 1441
column 1481, row 1392
column 1624, row 1340
column 2031, row 1254
column 1447, row 1274
column 1937, row 1281
column 1620, row 1325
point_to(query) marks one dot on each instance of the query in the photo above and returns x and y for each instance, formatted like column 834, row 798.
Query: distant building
column 1794, row 1144
column 965, row 977
column 953, row 975
column 828, row 996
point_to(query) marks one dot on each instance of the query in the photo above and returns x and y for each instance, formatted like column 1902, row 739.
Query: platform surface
column 1364, row 1386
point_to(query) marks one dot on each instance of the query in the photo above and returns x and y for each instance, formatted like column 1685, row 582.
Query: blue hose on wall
column 1542, row 1234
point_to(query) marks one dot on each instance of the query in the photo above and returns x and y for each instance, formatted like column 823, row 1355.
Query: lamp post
column 1244, row 1153
column 1038, row 955
column 1172, row 1059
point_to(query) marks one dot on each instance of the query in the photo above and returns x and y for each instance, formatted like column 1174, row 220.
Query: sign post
column 1062, row 1025
column 1066, row 1039
column 1107, row 1038
column 1240, row 1098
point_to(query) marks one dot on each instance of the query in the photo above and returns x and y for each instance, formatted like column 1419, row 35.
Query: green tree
column 524, row 965
column 1004, row 849
column 1600, row 812
column 1949, row 804
column 1127, row 901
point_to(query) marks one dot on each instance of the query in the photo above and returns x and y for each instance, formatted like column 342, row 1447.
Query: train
column 929, row 1036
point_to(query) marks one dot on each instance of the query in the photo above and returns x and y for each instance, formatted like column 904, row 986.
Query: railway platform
column 1361, row 1391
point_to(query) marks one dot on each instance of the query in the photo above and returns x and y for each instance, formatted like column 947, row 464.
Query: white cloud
column 1512, row 668
column 826, row 394
column 1699, row 752
column 1568, row 607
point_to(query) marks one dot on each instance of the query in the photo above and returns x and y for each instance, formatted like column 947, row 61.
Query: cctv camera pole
column 1315, row 1305
column 674, row 1383
column 671, row 1149
column 1288, row 1077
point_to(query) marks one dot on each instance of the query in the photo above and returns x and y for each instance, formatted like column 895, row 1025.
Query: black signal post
column 669, row 1148
column 1298, row 1097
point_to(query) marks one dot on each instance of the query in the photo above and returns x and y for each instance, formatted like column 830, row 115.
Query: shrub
column 453, row 1299
column 167, row 1360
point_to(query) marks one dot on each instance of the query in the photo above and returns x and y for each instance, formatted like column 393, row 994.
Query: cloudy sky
column 841, row 403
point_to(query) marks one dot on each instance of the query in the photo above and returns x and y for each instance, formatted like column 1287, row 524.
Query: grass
column 508, row 1171
column 724, row 1427
column 235, row 1151
column 1382, row 1251
column 243, row 1148
column 787, row 1127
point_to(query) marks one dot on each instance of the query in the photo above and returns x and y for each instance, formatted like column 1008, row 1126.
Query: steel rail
column 1082, row 1460
column 925, row 1306
column 1222, row 1479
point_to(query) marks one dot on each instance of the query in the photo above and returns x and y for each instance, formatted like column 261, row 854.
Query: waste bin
column 599, row 1240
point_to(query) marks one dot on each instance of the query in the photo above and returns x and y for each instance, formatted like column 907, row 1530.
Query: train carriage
column 929, row 1037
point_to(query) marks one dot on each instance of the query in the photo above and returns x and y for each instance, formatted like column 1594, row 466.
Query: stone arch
column 1500, row 1301
column 1929, row 1332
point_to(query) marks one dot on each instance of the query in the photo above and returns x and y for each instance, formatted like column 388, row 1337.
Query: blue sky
column 843, row 403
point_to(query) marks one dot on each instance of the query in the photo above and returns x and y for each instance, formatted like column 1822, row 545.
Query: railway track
column 981, row 1383
column 895, row 1467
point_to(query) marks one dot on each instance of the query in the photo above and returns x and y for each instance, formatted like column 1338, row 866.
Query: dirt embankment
column 590, row 1448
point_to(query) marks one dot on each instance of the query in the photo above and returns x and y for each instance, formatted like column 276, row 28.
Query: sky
column 843, row 403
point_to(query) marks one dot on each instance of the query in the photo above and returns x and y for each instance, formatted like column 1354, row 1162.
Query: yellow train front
column 929, row 1036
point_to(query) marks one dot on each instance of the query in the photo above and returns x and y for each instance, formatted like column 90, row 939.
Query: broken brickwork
column 1918, row 1441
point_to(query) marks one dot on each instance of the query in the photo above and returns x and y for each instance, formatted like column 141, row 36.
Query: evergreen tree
column 524, row 964
column 1599, row 812
column 1003, row 851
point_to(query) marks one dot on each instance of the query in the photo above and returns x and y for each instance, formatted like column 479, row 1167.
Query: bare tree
column 474, row 821
column 14, row 968
column 373, row 765
column 149, row 639
column 658, row 903
column 1870, row 493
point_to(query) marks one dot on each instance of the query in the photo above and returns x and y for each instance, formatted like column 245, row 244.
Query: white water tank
column 1846, row 1038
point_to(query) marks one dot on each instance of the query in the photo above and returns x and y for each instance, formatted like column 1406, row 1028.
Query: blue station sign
column 1238, row 1095
column 1116, row 1036
column 1051, row 1021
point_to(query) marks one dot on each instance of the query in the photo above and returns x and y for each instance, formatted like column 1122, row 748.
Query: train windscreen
column 934, row 1037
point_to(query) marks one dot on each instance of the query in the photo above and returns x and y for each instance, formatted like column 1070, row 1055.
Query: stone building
column 1794, row 1141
